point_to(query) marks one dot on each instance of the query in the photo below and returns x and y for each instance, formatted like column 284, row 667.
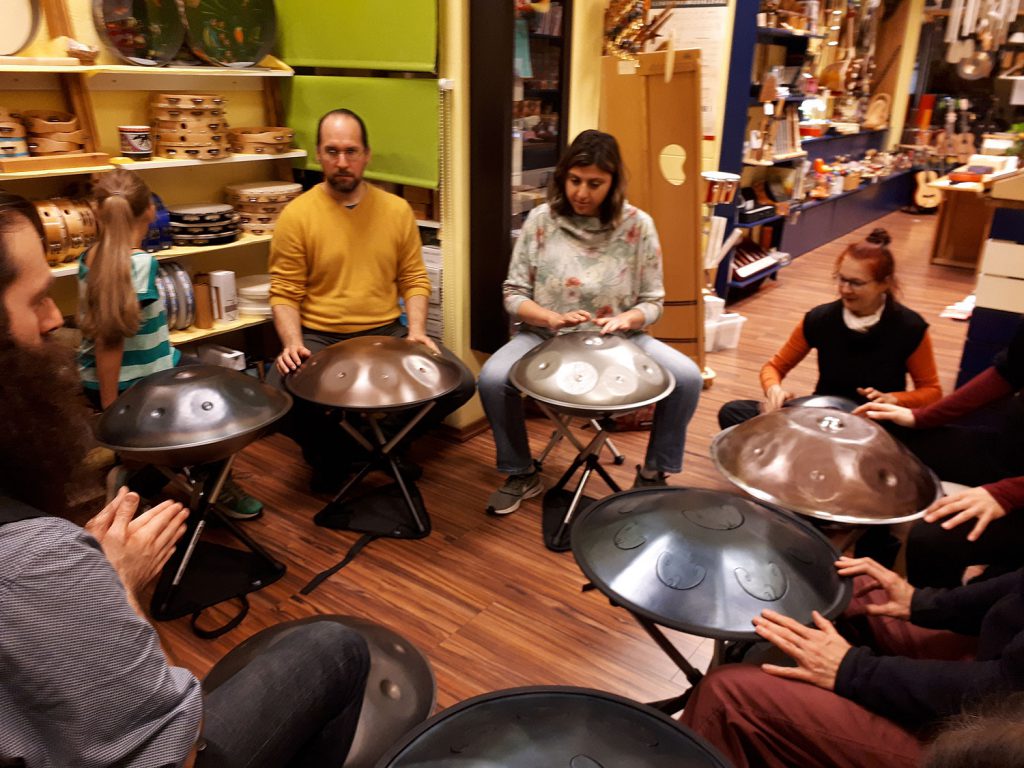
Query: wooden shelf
column 148, row 165
column 776, row 160
column 754, row 278
column 177, row 252
column 279, row 70
column 198, row 334
column 759, row 222
column 787, row 34
column 428, row 223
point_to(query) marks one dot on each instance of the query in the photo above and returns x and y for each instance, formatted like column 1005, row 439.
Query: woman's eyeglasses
column 851, row 282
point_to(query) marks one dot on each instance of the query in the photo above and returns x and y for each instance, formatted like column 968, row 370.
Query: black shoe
column 660, row 480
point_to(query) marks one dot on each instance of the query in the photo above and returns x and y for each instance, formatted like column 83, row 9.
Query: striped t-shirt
column 149, row 350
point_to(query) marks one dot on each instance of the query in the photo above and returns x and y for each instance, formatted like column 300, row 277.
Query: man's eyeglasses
column 349, row 153
column 851, row 282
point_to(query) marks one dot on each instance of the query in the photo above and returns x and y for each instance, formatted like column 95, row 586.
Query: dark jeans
column 323, row 442
column 296, row 704
column 737, row 411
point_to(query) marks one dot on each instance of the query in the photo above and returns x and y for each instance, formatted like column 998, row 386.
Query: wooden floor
column 482, row 597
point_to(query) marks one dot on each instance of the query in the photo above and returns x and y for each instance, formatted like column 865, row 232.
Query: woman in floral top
column 585, row 260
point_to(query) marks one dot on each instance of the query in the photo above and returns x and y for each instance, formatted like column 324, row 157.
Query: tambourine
column 48, row 121
column 7, row 116
column 257, row 208
column 188, row 99
column 259, row 148
column 205, row 228
column 191, row 123
column 186, row 296
column 55, row 231
column 39, row 145
column 199, row 212
column 188, row 138
column 14, row 147
column 193, row 153
column 263, row 192
column 170, row 112
column 258, row 229
column 260, row 218
column 262, row 135
column 80, row 233
column 203, row 240
column 10, row 129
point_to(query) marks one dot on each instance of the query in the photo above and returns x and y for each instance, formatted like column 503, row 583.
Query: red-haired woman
column 867, row 341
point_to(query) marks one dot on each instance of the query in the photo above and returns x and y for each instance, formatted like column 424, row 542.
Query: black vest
column 848, row 359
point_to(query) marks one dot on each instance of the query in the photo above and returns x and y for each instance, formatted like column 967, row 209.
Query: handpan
column 551, row 727
column 585, row 373
column 827, row 464
column 706, row 562
column 187, row 416
column 400, row 687
column 822, row 401
column 374, row 373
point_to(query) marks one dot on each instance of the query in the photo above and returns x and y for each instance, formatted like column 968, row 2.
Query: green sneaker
column 236, row 503
column 517, row 488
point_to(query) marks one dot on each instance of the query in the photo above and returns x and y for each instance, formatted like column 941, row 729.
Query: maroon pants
column 756, row 719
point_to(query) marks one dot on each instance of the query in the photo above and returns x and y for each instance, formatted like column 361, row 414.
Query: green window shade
column 400, row 116
column 359, row 34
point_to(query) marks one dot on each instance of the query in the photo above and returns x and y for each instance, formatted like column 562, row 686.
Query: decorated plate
column 21, row 19
column 231, row 33
column 144, row 32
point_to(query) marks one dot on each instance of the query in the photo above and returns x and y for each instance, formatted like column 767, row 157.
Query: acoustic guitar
column 926, row 198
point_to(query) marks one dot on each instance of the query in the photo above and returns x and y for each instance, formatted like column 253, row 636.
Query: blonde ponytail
column 110, row 311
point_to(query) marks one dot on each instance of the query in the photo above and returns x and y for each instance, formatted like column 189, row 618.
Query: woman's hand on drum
column 818, row 651
column 897, row 589
column 776, row 397
column 873, row 395
column 291, row 357
column 879, row 411
column 972, row 504
column 557, row 322
column 630, row 320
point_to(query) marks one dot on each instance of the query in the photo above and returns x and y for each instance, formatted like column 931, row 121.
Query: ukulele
column 926, row 198
column 964, row 141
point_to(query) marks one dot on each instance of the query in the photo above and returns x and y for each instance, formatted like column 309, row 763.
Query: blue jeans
column 295, row 704
column 503, row 404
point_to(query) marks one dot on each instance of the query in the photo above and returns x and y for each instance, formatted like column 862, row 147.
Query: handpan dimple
column 676, row 572
column 719, row 518
column 766, row 582
column 629, row 537
column 583, row 761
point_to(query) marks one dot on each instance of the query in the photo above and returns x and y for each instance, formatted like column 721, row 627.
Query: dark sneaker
column 517, row 488
column 236, row 503
column 660, row 480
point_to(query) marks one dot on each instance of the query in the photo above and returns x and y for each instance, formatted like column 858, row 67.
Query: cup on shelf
column 136, row 142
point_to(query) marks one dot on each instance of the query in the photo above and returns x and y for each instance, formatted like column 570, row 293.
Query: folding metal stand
column 381, row 451
column 589, row 459
column 219, row 573
column 562, row 430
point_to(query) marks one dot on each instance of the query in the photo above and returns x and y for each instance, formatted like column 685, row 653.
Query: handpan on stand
column 596, row 376
column 196, row 419
column 551, row 726
column 707, row 563
column 367, row 378
column 829, row 465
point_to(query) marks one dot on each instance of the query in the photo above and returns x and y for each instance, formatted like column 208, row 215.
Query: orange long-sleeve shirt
column 920, row 366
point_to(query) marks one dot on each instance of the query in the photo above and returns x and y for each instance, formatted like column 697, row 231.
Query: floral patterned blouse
column 564, row 263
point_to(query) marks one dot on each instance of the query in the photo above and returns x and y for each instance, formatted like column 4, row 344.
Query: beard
column 44, row 416
column 344, row 183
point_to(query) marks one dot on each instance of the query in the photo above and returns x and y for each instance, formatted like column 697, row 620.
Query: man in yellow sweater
column 343, row 254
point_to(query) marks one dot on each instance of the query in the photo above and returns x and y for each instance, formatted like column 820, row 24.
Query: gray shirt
column 83, row 681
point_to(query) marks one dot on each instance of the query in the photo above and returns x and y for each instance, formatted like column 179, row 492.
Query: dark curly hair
column 590, row 148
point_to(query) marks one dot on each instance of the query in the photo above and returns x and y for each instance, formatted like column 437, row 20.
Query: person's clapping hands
column 557, row 322
column 818, row 651
column 897, row 589
column 137, row 547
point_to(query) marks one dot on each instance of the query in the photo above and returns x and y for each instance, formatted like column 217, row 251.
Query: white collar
column 862, row 323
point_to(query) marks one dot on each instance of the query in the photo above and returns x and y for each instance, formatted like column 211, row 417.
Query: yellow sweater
column 344, row 268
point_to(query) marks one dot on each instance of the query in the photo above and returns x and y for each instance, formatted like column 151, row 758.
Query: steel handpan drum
column 374, row 373
column 400, row 687
column 552, row 726
column 822, row 401
column 706, row 562
column 826, row 464
column 585, row 373
column 187, row 416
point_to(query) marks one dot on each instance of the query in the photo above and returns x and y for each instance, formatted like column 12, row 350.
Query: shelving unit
column 106, row 95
